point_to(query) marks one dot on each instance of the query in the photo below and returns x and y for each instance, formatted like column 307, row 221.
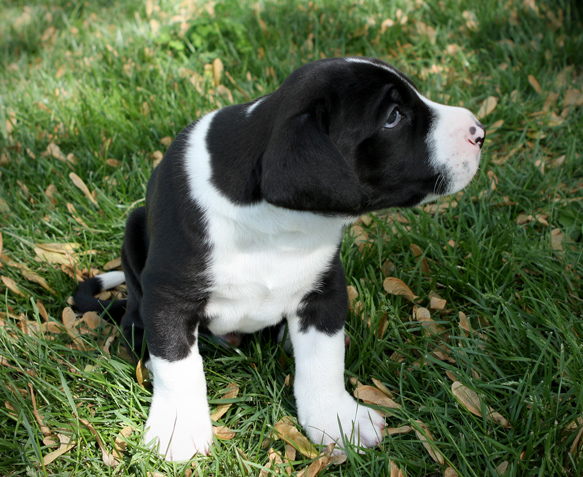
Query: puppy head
column 354, row 135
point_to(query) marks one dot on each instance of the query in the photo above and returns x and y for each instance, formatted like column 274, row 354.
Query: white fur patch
column 264, row 259
column 179, row 421
column 255, row 103
column 111, row 280
column 325, row 409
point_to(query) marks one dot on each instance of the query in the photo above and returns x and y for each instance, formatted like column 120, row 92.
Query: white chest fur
column 264, row 259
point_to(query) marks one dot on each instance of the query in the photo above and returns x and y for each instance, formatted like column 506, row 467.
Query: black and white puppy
column 242, row 229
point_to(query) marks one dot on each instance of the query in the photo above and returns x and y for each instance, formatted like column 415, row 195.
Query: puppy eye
column 393, row 119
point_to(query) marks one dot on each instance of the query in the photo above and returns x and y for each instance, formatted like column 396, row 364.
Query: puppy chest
column 257, row 286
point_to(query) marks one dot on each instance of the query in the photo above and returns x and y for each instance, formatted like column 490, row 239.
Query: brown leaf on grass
column 1, row 243
column 223, row 432
column 394, row 286
column 120, row 445
column 391, row 431
column 55, row 151
column 576, row 445
column 218, row 69
column 70, row 321
column 166, row 141
column 231, row 392
column 372, row 395
column 427, row 440
column 386, row 391
column 352, row 296
column 44, row 429
column 557, row 238
column 112, row 264
column 472, row 402
column 535, row 84
column 33, row 277
column 418, row 254
column 113, row 162
column 108, row 459
column 78, row 182
column 487, row 106
column 501, row 468
column 42, row 311
column 51, row 193
column 450, row 472
column 288, row 432
column 360, row 237
column 573, row 97
column 11, row 285
column 436, row 302
column 142, row 373
column 464, row 323
column 73, row 211
column 396, row 472
column 422, row 315
column 66, row 446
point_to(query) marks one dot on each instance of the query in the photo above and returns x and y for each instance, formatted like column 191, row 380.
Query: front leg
column 179, row 420
column 179, row 423
column 325, row 409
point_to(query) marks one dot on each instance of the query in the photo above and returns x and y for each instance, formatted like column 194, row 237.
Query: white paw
column 179, row 431
column 342, row 420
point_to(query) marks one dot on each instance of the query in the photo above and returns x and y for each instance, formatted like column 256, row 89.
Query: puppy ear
column 303, row 170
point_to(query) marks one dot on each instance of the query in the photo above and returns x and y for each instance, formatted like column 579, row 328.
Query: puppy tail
column 85, row 300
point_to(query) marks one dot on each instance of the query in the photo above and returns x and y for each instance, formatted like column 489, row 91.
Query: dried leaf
column 450, row 472
column 166, row 141
column 288, row 432
column 487, row 106
column 535, row 84
column 501, row 469
column 42, row 311
column 223, row 432
column 436, row 303
column 383, row 388
column 418, row 254
column 557, row 238
column 33, row 277
column 573, row 97
column 78, row 182
column 360, row 237
column 472, row 402
column 108, row 459
column 391, row 431
column 395, row 471
column 56, row 152
column 66, row 446
column 425, row 438
column 112, row 264
column 231, row 392
column 70, row 321
column 11, row 285
column 142, row 373
column 372, row 395
column 120, row 444
column 394, row 286
column 218, row 69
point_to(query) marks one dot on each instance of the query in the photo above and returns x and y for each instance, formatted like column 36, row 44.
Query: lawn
column 475, row 355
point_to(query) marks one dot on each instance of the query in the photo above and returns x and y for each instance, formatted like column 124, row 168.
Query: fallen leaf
column 487, row 106
column 391, row 431
column 360, row 237
column 66, row 446
column 372, row 395
column 425, row 437
column 142, row 373
column 120, row 445
column 78, row 182
column 112, row 264
column 395, row 471
column 418, row 254
column 166, row 141
column 11, row 285
column 231, row 392
column 288, row 432
column 223, row 432
column 383, row 388
column 573, row 97
column 108, row 459
column 394, row 286
column 557, row 237
column 218, row 69
column 535, row 84
column 450, row 472
column 472, row 402
column 33, row 277
column 502, row 467
column 436, row 303
column 56, row 152
column 42, row 311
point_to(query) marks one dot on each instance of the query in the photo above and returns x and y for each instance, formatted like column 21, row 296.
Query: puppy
column 243, row 225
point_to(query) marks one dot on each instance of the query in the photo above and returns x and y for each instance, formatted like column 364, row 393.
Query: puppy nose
column 478, row 134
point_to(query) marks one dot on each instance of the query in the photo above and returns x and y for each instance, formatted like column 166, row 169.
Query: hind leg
column 133, row 255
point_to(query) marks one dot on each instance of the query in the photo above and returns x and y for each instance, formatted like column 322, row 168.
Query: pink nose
column 477, row 134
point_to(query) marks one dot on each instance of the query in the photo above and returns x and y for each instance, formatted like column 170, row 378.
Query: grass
column 109, row 83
